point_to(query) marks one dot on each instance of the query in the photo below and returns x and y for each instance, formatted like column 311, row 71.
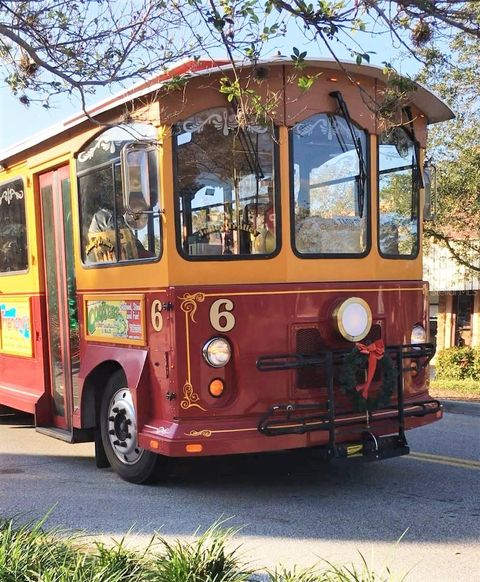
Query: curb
column 461, row 407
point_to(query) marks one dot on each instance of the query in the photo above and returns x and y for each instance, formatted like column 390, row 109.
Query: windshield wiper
column 362, row 168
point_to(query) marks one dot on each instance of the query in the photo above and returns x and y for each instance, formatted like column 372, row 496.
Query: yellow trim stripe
column 187, row 345
column 386, row 414
column 452, row 461
column 307, row 291
column 129, row 291
column 22, row 294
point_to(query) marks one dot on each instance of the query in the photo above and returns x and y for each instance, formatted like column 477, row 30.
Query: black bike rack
column 289, row 418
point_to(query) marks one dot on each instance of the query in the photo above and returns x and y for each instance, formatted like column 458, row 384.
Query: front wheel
column 118, row 425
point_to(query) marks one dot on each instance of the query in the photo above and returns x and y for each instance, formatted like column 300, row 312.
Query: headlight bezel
column 342, row 311
column 210, row 345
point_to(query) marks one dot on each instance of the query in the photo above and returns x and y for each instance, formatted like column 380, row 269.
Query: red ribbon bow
column 375, row 352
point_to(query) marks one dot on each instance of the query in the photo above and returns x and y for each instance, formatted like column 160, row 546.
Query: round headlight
column 217, row 352
column 419, row 335
column 353, row 319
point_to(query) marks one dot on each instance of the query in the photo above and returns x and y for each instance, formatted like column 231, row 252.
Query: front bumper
column 333, row 432
column 291, row 418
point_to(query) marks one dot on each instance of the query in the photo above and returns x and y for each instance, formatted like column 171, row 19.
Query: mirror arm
column 415, row 190
column 430, row 171
column 411, row 134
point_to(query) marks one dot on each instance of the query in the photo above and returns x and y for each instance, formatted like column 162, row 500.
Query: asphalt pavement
column 290, row 508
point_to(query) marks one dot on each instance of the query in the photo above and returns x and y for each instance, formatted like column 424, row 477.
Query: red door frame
column 56, row 232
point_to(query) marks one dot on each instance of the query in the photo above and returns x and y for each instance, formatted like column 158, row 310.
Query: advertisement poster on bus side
column 115, row 320
column 16, row 327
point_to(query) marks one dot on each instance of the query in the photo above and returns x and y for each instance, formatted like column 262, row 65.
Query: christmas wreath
column 365, row 357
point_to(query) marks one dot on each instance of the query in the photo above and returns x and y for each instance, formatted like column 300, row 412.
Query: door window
column 108, row 232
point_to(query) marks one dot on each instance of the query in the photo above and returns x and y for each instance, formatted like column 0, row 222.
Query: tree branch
column 438, row 237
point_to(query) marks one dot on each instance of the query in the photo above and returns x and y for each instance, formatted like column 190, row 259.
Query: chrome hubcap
column 122, row 427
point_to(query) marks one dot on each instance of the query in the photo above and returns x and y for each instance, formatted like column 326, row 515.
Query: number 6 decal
column 156, row 315
column 220, row 316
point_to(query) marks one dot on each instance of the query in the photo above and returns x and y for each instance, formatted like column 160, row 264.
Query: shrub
column 458, row 364
column 476, row 364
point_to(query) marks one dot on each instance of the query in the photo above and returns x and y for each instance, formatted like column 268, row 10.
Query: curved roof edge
column 434, row 108
column 430, row 104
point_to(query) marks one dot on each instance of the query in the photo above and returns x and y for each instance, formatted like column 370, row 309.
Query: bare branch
column 456, row 254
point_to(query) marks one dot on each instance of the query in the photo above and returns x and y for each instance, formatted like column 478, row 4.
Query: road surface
column 292, row 510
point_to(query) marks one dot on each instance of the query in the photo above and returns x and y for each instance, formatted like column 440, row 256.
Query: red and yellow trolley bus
column 174, row 283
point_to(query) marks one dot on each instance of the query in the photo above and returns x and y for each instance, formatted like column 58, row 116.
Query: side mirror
column 139, row 174
column 430, row 185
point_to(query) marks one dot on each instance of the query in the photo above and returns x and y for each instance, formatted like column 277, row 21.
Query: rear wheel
column 118, row 424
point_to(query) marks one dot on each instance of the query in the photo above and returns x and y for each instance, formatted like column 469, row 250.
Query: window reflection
column 330, row 206
column 398, row 187
column 225, row 186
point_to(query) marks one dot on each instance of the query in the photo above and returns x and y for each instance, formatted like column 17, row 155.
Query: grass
column 206, row 559
column 29, row 553
column 27, row 550
column 332, row 573
column 469, row 389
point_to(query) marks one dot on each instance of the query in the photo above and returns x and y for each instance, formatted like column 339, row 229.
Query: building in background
column 454, row 300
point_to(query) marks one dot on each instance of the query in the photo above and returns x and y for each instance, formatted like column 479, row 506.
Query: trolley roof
column 432, row 106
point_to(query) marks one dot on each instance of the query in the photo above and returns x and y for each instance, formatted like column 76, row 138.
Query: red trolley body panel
column 271, row 321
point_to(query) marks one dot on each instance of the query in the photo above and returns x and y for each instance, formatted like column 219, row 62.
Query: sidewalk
column 461, row 407
column 470, row 407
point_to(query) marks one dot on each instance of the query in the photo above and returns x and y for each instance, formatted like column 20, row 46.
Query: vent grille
column 308, row 343
column 374, row 334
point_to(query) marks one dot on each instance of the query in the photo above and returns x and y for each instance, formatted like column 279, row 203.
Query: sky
column 18, row 122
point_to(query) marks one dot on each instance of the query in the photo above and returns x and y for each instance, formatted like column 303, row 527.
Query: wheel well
column 93, row 388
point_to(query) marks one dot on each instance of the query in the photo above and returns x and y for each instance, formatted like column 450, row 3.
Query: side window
column 329, row 186
column 109, row 233
column 398, row 191
column 225, row 187
column 13, row 227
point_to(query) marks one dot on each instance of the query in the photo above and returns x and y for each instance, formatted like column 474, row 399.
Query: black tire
column 119, row 436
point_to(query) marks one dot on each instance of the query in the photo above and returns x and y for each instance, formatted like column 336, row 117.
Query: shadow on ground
column 285, row 495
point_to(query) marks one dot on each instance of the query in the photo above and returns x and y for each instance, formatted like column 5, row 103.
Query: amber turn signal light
column 216, row 388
